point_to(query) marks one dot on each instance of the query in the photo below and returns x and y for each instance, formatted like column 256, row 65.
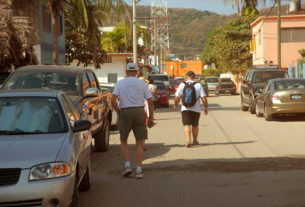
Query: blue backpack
column 189, row 97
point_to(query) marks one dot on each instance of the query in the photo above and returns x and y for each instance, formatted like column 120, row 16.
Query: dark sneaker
column 139, row 175
column 126, row 172
column 195, row 142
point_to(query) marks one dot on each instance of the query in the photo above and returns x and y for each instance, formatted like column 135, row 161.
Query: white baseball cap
column 132, row 67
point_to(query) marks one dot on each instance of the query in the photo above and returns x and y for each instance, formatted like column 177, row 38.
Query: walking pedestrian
column 191, row 92
column 153, row 90
column 132, row 93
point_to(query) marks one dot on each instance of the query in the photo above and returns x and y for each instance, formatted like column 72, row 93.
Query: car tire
column 74, row 202
column 258, row 114
column 86, row 181
column 102, row 138
column 252, row 105
column 242, row 106
column 268, row 116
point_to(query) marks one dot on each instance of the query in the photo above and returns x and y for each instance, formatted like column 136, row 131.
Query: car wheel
column 86, row 181
column 268, row 116
column 102, row 138
column 258, row 114
column 74, row 202
column 242, row 106
column 252, row 105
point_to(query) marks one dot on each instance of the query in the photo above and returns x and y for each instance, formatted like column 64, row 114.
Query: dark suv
column 253, row 81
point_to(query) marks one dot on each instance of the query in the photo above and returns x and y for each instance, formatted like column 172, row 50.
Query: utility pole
column 134, row 27
column 279, row 39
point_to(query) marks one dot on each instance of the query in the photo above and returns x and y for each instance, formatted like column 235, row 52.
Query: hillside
column 189, row 28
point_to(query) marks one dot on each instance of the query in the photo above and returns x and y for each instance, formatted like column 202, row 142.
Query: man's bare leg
column 187, row 133
column 125, row 150
column 195, row 130
column 140, row 152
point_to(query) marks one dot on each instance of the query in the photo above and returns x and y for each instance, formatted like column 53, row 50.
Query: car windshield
column 158, row 77
column 211, row 80
column 30, row 115
column 227, row 80
column 3, row 77
column 160, row 86
column 289, row 84
column 67, row 82
column 264, row 76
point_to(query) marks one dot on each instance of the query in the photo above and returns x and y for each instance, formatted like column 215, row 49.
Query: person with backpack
column 190, row 92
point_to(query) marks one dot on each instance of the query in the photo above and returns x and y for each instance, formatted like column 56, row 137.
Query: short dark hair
column 151, row 81
column 190, row 74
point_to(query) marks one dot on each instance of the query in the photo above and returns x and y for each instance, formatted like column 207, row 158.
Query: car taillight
column 275, row 99
column 219, row 86
column 234, row 86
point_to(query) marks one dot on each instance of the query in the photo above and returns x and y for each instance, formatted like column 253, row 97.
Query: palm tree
column 240, row 4
column 90, row 12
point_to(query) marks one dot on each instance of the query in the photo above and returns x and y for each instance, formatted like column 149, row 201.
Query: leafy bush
column 211, row 72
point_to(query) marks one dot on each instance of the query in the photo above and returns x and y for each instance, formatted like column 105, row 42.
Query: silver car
column 212, row 82
column 44, row 149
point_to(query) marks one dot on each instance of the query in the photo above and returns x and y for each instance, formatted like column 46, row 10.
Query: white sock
column 139, row 169
column 127, row 164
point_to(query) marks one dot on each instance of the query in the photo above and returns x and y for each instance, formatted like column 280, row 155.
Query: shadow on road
column 230, row 165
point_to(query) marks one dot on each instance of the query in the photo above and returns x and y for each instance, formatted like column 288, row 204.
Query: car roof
column 157, row 75
column 211, row 77
column 56, row 68
column 286, row 79
column 30, row 93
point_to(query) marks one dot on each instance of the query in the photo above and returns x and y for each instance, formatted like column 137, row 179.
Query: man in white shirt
column 132, row 92
column 191, row 114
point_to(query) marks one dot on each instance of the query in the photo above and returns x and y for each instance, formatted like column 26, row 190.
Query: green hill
column 189, row 28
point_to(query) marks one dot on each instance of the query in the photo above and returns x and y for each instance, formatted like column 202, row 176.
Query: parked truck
column 82, row 87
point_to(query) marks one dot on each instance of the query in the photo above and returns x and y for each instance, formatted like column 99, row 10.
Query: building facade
column 264, row 40
column 41, row 17
column 180, row 68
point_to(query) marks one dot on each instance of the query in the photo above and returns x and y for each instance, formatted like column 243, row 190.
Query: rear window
column 264, row 76
column 159, row 77
column 160, row 86
column 289, row 84
column 211, row 80
column 226, row 80
column 68, row 82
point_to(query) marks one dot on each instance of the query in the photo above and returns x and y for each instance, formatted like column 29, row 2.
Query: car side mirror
column 81, row 125
column 92, row 92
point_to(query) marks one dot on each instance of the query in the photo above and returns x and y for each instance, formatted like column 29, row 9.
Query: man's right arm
column 115, row 104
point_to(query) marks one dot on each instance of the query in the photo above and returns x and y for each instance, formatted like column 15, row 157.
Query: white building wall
column 258, row 55
column 117, row 66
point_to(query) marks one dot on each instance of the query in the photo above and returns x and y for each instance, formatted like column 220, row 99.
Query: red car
column 163, row 94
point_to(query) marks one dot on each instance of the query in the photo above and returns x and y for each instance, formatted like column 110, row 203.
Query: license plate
column 296, row 97
column 228, row 91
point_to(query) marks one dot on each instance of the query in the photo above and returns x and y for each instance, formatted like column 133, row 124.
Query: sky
column 210, row 5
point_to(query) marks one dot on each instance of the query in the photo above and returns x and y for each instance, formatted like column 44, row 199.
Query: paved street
column 241, row 161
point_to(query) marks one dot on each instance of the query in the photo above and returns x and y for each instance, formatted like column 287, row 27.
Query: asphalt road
column 241, row 161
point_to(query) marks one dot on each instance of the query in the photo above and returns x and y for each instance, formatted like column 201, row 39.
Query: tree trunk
column 55, row 37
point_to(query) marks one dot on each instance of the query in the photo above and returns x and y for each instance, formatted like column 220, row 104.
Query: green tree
column 228, row 46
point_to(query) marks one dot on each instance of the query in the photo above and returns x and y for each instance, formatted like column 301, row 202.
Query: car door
column 79, row 138
column 96, row 104
column 246, row 87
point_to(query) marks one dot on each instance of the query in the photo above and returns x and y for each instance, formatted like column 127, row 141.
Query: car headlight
column 50, row 170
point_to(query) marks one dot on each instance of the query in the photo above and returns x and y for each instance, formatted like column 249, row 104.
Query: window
column 92, row 80
column 293, row 35
column 85, row 83
column 69, row 112
column 184, row 65
column 61, row 26
column 112, row 78
column 107, row 59
column 46, row 15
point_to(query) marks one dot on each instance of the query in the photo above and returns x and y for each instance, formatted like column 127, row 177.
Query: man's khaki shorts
column 133, row 119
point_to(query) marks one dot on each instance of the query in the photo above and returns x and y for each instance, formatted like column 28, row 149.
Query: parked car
column 254, row 80
column 44, row 149
column 212, row 82
column 204, row 85
column 160, row 77
column 281, row 97
column 80, row 84
column 225, row 85
column 163, row 94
